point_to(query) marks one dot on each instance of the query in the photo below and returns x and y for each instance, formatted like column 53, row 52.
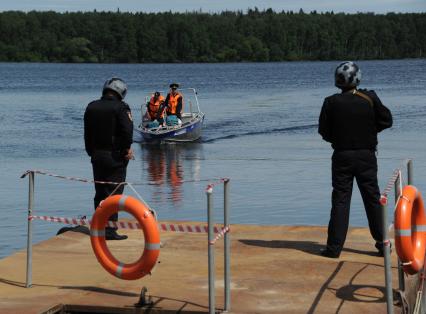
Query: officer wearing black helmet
column 108, row 133
column 350, row 121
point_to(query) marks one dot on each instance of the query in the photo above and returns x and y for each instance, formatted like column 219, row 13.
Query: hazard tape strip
column 70, row 178
column 128, row 224
column 214, row 183
column 46, row 173
column 186, row 228
column 391, row 183
column 220, row 234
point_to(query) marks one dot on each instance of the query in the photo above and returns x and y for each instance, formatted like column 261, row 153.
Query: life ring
column 410, row 230
column 146, row 220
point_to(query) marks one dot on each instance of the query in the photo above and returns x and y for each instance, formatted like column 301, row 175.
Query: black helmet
column 117, row 85
column 347, row 75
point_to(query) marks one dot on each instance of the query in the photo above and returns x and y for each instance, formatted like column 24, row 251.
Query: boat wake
column 287, row 130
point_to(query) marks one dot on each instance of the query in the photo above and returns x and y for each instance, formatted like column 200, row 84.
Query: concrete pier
column 274, row 269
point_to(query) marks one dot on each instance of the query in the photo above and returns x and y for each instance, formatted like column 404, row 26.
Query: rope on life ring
column 146, row 220
column 410, row 230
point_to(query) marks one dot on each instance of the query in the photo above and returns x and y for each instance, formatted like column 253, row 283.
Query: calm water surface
column 260, row 131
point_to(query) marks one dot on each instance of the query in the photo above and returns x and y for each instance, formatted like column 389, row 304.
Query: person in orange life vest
column 155, row 109
column 174, row 102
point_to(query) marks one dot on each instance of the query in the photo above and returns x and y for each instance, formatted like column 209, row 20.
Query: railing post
column 410, row 181
column 397, row 188
column 29, row 234
column 210, row 224
column 227, row 245
column 410, row 172
column 401, row 280
column 388, row 262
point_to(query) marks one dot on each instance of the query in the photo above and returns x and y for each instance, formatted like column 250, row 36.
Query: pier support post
column 210, row 224
column 227, row 244
column 28, row 283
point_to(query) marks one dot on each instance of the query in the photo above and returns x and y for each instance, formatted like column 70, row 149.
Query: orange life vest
column 173, row 101
column 154, row 106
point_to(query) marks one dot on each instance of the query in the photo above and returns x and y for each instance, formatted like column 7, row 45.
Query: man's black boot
column 381, row 248
column 329, row 253
column 111, row 234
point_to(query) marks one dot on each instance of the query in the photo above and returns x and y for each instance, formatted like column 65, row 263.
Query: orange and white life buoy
column 146, row 220
column 410, row 230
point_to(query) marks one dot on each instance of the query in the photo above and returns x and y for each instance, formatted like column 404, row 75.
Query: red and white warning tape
column 222, row 232
column 70, row 178
column 214, row 183
column 71, row 221
column 391, row 183
column 397, row 174
column 186, row 228
column 131, row 225
column 49, row 174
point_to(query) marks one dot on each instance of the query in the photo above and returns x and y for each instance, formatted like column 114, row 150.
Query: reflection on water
column 168, row 166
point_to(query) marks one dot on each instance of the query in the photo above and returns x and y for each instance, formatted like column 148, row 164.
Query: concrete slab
column 274, row 269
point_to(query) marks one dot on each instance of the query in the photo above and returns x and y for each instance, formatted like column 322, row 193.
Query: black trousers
column 108, row 166
column 347, row 165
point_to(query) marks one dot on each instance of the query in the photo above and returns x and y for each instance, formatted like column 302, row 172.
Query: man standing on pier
column 108, row 135
column 350, row 121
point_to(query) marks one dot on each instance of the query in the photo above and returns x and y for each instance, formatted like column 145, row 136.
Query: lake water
column 260, row 131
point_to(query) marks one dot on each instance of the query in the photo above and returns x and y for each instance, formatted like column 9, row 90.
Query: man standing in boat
column 155, row 108
column 108, row 135
column 350, row 121
column 174, row 105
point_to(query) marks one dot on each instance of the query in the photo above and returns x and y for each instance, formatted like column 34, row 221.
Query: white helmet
column 347, row 75
column 116, row 85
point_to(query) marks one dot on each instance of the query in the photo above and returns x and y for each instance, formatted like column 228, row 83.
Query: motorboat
column 188, row 130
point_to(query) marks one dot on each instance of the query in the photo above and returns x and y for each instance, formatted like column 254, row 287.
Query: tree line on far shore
column 251, row 36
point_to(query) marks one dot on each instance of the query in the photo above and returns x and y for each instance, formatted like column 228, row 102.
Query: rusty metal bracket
column 143, row 301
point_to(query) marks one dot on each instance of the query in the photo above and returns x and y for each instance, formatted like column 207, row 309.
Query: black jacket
column 349, row 121
column 108, row 125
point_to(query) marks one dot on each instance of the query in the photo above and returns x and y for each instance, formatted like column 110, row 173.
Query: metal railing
column 212, row 239
column 396, row 182
column 227, row 248
column 28, row 281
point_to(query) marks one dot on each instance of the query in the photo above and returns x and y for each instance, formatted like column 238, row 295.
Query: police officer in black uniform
column 350, row 121
column 108, row 134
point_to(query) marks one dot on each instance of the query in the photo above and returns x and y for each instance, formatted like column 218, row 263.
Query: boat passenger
column 108, row 136
column 174, row 103
column 350, row 121
column 155, row 108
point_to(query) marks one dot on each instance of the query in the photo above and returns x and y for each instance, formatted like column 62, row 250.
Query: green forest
column 251, row 36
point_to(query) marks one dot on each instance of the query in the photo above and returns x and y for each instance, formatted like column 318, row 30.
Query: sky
column 376, row 6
